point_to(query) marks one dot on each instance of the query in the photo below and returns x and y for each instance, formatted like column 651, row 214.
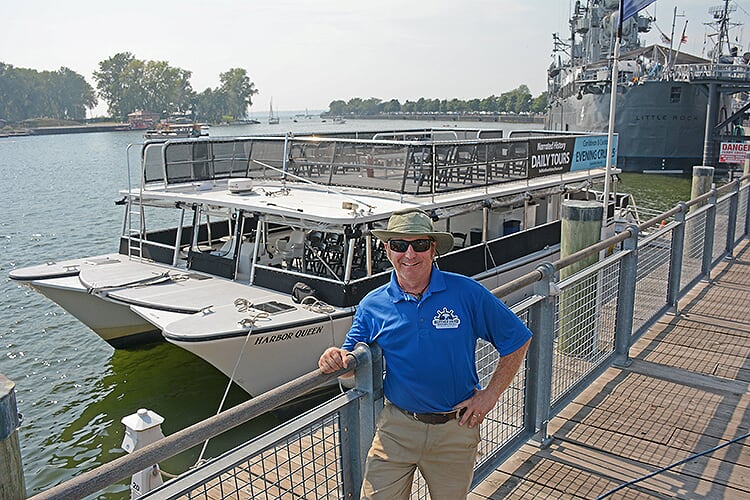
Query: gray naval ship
column 672, row 110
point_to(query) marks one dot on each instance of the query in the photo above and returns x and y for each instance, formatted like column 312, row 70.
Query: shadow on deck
column 685, row 392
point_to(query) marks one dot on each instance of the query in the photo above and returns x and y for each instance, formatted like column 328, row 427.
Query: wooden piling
column 580, row 228
column 12, row 485
column 703, row 179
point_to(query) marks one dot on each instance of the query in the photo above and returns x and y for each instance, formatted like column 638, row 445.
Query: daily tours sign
column 567, row 154
column 733, row 152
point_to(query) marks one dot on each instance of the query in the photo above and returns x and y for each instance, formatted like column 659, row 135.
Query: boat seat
column 291, row 248
column 459, row 240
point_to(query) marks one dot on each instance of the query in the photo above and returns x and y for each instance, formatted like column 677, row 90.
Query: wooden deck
column 685, row 392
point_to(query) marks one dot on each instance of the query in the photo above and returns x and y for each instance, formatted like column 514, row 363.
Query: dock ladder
column 135, row 223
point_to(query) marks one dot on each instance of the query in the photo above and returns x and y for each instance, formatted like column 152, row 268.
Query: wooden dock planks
column 685, row 392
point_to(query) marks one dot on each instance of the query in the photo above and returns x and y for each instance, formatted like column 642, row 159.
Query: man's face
column 411, row 267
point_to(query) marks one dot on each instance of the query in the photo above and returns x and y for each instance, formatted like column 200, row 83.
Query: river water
column 72, row 388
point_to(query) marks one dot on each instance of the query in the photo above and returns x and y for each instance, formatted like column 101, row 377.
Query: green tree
column 392, row 106
column 354, row 105
column 73, row 95
column 337, row 107
column 518, row 100
column 27, row 93
column 128, row 84
column 371, row 106
column 166, row 89
column 211, row 106
column 111, row 85
column 409, row 107
column 539, row 103
column 238, row 91
column 489, row 104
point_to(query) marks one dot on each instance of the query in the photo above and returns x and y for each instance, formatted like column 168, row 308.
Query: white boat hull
column 115, row 323
column 265, row 361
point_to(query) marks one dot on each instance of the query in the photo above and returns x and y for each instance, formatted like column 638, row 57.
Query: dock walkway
column 685, row 392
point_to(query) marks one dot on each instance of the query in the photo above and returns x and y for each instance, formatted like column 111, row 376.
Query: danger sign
column 733, row 152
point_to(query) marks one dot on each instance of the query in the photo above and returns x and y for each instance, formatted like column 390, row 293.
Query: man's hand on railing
column 333, row 360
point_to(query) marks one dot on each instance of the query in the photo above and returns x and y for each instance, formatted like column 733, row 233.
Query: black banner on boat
column 566, row 154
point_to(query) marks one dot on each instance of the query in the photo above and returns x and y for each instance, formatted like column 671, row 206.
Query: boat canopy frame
column 405, row 167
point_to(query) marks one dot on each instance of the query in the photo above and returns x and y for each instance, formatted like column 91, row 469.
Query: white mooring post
column 143, row 428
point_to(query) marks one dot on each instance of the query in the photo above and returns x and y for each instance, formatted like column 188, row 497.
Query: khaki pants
column 444, row 454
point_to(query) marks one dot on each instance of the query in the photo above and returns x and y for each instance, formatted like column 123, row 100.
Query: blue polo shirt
column 429, row 344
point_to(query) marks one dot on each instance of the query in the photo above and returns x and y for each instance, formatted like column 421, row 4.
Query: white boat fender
column 141, row 429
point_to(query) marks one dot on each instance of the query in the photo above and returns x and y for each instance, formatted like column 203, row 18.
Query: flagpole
column 611, row 126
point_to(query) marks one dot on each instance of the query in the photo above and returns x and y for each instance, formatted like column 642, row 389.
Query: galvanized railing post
column 539, row 358
column 626, row 298
column 732, row 222
column 376, row 354
column 675, row 259
column 708, row 237
column 358, row 425
column 12, row 485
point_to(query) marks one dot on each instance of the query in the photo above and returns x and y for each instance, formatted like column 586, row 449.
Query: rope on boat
column 249, row 322
column 151, row 280
column 313, row 304
column 242, row 305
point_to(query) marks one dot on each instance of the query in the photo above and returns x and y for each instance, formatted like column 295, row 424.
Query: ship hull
column 660, row 124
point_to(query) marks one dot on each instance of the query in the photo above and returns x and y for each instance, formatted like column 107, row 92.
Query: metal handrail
column 123, row 467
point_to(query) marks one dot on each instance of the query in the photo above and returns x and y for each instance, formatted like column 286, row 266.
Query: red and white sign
column 733, row 152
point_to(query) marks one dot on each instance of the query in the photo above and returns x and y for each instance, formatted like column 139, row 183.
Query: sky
column 305, row 54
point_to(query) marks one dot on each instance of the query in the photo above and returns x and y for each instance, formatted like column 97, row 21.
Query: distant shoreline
column 442, row 117
column 64, row 129
column 468, row 117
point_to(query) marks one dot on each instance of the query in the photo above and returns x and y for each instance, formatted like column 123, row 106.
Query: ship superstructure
column 664, row 97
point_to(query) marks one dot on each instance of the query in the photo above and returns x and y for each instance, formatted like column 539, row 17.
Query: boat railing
column 712, row 72
column 405, row 167
column 321, row 453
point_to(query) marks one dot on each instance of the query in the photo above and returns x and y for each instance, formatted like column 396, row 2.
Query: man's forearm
column 506, row 369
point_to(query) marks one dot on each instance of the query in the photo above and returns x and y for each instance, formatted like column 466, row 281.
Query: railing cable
column 671, row 466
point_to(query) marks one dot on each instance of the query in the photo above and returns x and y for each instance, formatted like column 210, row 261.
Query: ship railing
column 712, row 72
column 421, row 167
column 582, row 324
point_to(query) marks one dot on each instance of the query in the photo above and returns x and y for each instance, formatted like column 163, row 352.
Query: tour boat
column 253, row 252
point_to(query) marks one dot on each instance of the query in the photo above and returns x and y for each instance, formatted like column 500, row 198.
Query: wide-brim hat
column 414, row 222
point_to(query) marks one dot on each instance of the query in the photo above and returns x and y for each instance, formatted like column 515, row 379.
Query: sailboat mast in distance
column 272, row 119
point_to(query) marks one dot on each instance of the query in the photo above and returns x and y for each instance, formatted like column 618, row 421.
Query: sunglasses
column 401, row 246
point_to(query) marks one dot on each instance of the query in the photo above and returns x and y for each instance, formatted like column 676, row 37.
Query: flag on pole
column 631, row 7
column 683, row 39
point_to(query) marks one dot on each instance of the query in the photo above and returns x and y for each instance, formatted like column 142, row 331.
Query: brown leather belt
column 432, row 418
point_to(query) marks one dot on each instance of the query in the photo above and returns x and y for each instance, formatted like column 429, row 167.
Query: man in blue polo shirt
column 427, row 323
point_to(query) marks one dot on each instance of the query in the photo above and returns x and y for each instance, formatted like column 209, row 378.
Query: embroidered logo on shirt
column 445, row 319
